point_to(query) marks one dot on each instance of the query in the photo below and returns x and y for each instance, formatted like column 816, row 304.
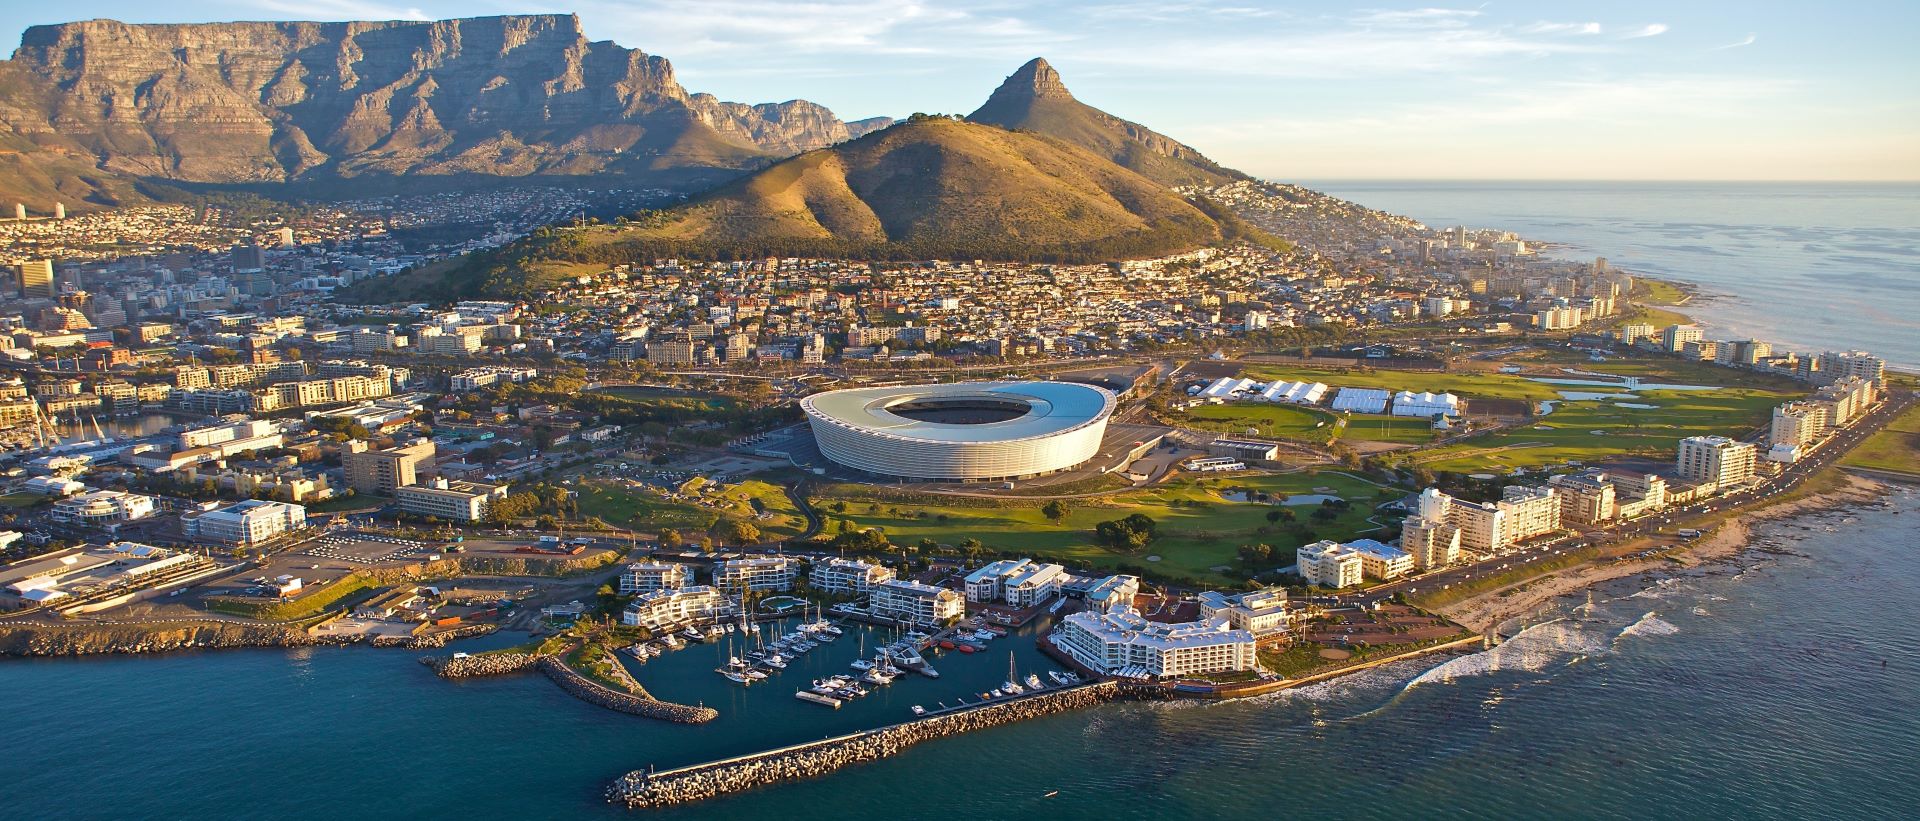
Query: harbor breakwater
column 594, row 693
column 488, row 664
column 640, row 789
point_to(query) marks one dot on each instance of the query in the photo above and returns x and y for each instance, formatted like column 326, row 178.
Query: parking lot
column 365, row 549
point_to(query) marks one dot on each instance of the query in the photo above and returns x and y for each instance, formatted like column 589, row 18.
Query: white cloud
column 1747, row 41
column 341, row 10
column 1648, row 30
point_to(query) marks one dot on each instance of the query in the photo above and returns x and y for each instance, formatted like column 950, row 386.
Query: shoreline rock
column 591, row 692
column 487, row 664
column 640, row 789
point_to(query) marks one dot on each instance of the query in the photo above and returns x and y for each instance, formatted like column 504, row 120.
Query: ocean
column 1809, row 266
column 1781, row 684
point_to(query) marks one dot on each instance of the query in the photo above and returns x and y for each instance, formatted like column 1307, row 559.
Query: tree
column 736, row 532
column 1131, row 534
column 1055, row 510
column 1274, row 515
column 670, row 538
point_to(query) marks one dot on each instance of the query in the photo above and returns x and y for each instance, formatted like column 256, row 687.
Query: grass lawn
column 1202, row 522
column 668, row 397
column 20, row 500
column 1896, row 448
column 1656, row 292
column 1590, row 431
column 1466, row 385
column 648, row 511
column 1281, row 421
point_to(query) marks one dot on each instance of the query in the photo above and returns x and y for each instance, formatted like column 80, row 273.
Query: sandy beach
column 1726, row 540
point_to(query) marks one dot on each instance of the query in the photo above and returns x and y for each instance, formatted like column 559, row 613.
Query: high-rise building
column 36, row 279
column 1798, row 424
column 1675, row 338
column 1715, row 460
column 383, row 471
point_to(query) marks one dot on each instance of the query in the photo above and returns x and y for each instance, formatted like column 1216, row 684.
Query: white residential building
column 847, row 577
column 670, row 609
column 1716, row 460
column 1260, row 612
column 1018, row 582
column 1124, row 643
column 1328, row 563
column 919, row 604
column 766, row 573
column 640, row 578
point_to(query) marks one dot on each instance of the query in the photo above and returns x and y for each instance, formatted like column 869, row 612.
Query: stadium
column 966, row 431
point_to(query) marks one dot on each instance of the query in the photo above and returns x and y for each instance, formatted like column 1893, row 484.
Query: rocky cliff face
column 1035, row 98
column 275, row 102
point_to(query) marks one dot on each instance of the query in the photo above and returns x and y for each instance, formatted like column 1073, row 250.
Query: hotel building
column 1125, row 644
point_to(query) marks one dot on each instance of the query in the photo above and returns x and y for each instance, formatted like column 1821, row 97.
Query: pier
column 699, row 782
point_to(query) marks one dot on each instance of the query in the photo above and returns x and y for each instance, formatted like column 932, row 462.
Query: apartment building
column 1715, row 461
column 640, row 578
column 918, row 604
column 766, row 573
column 847, row 577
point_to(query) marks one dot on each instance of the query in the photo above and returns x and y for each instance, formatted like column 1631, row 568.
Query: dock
column 825, row 701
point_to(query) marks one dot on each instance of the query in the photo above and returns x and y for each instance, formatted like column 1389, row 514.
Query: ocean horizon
column 1809, row 266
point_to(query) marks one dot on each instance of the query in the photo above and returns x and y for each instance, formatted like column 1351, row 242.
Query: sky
column 1750, row 90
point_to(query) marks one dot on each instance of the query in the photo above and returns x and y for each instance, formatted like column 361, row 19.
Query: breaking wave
column 1649, row 625
column 1531, row 650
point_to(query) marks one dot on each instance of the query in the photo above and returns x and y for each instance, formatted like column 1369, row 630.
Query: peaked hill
column 930, row 187
column 1034, row 98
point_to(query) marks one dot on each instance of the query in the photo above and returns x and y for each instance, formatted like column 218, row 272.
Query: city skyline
column 1630, row 91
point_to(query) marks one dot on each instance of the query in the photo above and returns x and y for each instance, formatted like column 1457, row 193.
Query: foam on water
column 1649, row 625
column 1532, row 650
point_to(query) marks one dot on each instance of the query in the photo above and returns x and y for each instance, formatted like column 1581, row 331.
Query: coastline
column 1728, row 539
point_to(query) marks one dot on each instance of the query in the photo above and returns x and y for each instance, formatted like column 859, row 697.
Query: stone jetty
column 488, row 664
column 593, row 692
column 640, row 789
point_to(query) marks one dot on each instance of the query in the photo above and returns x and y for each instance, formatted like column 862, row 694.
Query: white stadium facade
column 966, row 431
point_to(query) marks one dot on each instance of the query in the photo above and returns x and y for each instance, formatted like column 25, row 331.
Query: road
column 1533, row 553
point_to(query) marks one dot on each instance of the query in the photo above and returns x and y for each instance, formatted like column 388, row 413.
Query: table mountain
column 1034, row 98
column 87, row 107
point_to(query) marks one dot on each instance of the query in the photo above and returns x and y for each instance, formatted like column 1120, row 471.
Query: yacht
column 862, row 665
column 919, row 710
column 1033, row 682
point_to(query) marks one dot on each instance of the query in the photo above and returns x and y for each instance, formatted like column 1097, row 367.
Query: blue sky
column 1566, row 90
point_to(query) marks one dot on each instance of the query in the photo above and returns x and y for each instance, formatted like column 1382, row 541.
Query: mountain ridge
column 88, row 107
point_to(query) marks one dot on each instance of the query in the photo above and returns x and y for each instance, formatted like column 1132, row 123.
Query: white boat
column 1057, row 677
column 982, row 635
column 862, row 665
column 994, row 694
column 756, row 675
column 1033, row 682
column 919, row 710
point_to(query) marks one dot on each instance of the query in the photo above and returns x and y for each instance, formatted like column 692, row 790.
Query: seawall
column 592, row 692
column 640, row 789
column 487, row 664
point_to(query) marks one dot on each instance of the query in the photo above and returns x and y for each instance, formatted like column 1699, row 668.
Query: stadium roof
column 1053, row 408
